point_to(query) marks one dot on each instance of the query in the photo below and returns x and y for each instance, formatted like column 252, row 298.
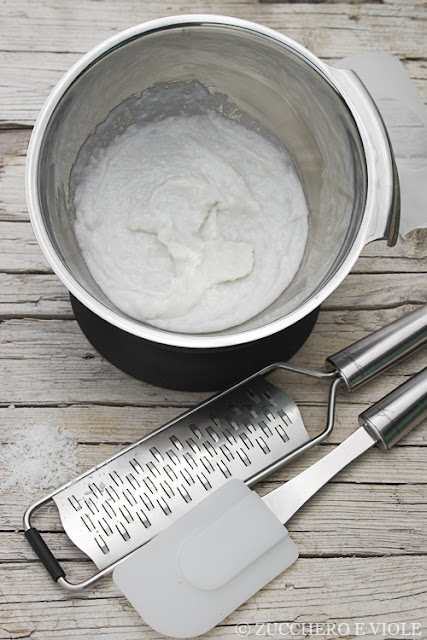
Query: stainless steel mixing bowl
column 323, row 116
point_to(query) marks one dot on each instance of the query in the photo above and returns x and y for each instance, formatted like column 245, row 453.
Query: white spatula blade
column 206, row 564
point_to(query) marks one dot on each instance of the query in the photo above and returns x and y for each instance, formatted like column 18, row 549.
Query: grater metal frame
column 46, row 555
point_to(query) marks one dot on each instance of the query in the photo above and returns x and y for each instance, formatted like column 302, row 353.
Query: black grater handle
column 44, row 553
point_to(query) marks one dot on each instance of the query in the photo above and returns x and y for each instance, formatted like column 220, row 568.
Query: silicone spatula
column 212, row 559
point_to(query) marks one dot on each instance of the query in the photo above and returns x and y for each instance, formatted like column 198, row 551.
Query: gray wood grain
column 362, row 539
column 314, row 589
column 330, row 30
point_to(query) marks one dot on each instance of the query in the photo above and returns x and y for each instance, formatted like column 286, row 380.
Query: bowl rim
column 338, row 79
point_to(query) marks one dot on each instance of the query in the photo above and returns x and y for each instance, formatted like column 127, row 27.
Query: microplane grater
column 126, row 500
column 245, row 432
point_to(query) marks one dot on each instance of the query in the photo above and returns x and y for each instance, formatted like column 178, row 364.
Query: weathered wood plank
column 88, row 24
column 20, row 253
column 316, row 590
column 343, row 520
column 28, row 79
column 19, row 250
column 350, row 516
column 97, row 424
column 25, row 295
column 13, row 148
column 321, row 1
column 35, row 77
column 331, row 31
column 407, row 256
column 44, row 296
column 401, row 465
column 376, row 291
column 51, row 362
column 33, row 339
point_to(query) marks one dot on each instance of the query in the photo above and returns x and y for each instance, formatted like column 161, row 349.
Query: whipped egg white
column 192, row 223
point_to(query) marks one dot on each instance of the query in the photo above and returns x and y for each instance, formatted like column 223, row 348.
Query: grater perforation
column 121, row 504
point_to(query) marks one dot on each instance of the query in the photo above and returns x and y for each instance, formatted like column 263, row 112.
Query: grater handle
column 44, row 554
column 368, row 357
column 395, row 415
column 48, row 559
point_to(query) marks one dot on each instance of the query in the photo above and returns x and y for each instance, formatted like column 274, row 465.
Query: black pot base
column 189, row 369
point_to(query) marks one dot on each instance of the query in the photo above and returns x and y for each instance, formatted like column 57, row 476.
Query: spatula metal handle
column 368, row 357
column 398, row 413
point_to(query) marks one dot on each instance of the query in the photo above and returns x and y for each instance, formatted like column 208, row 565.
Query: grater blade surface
column 125, row 501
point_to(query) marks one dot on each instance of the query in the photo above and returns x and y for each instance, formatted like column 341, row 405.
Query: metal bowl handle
column 383, row 201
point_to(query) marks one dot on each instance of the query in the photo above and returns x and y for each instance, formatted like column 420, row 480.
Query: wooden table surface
column 362, row 540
